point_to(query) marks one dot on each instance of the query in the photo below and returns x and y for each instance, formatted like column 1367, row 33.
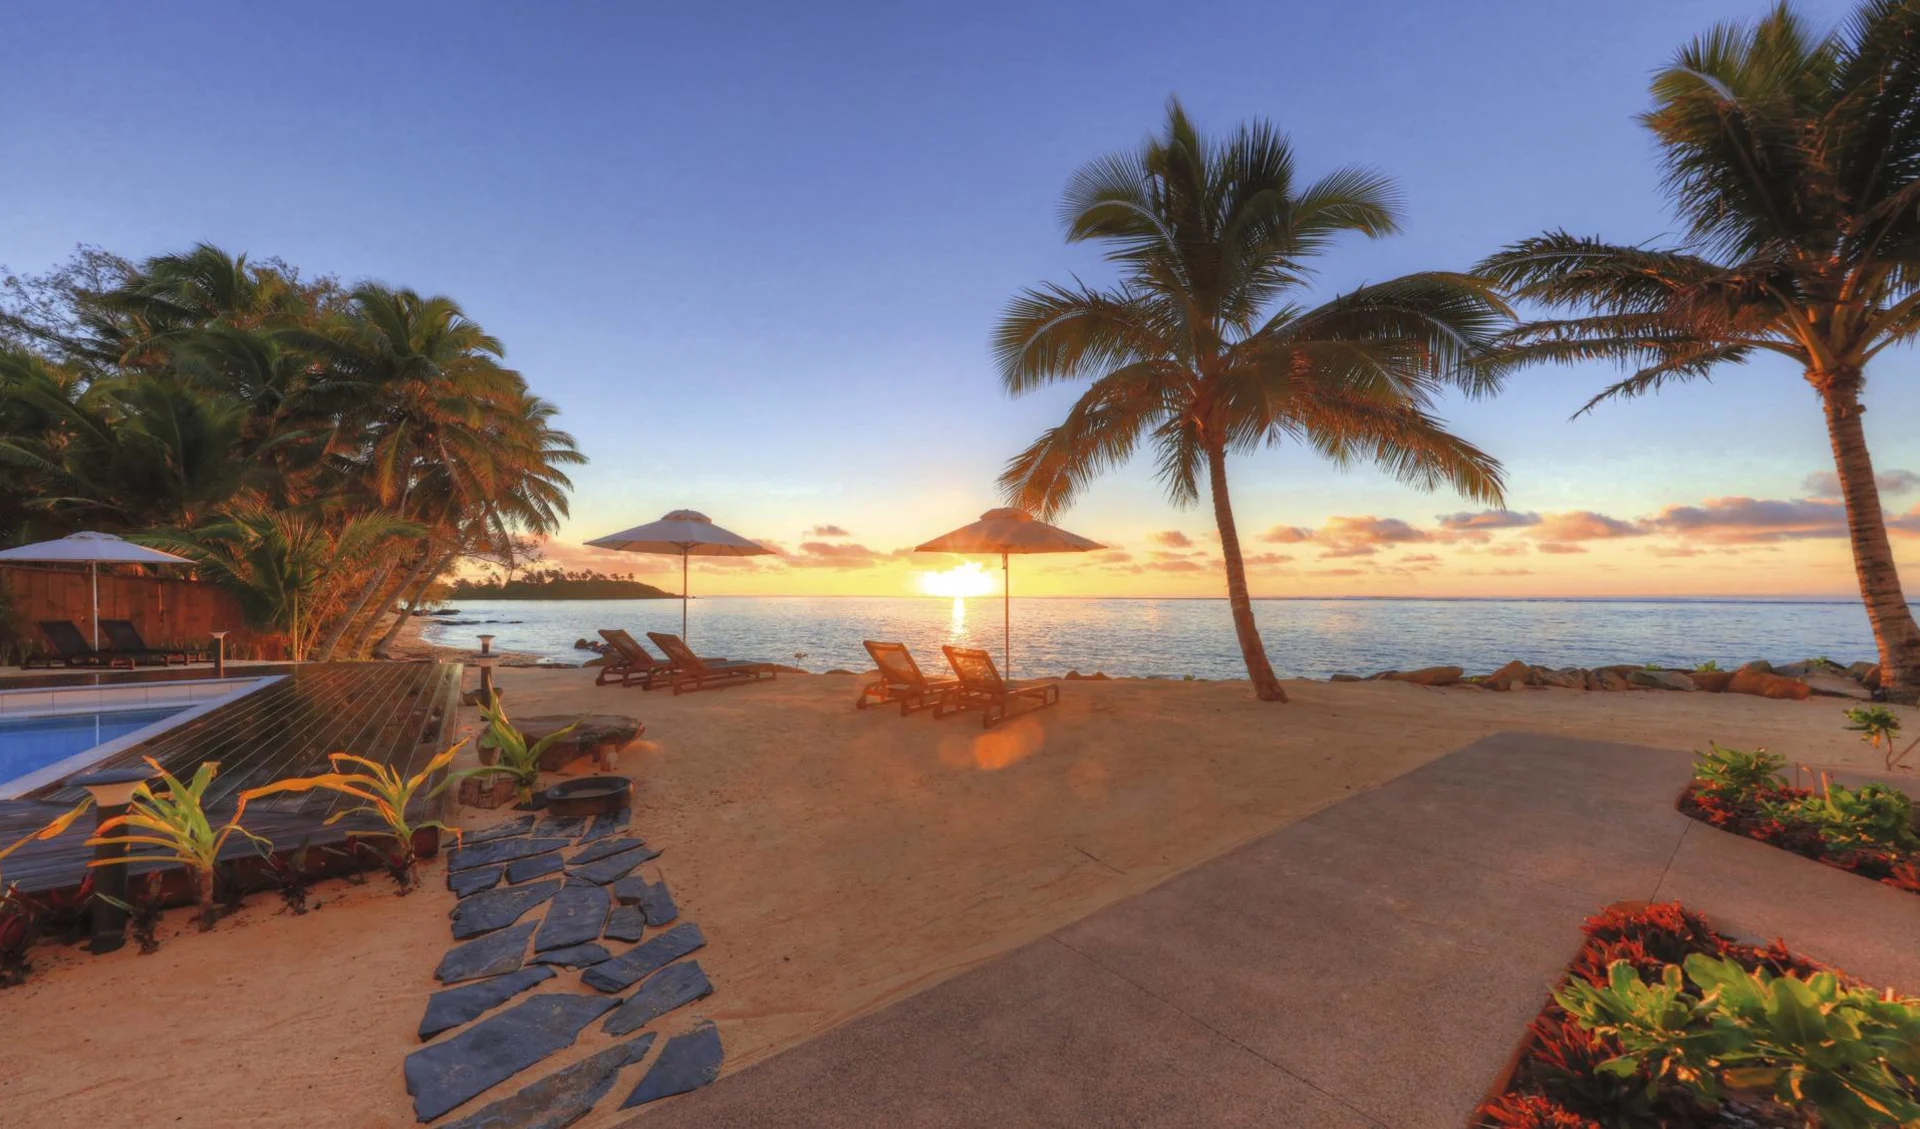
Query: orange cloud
column 1171, row 539
column 827, row 531
column 1582, row 525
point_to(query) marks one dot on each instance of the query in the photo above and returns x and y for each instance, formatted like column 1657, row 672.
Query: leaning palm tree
column 1204, row 349
column 1793, row 159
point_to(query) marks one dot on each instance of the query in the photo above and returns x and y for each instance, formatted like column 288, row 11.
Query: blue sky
column 754, row 251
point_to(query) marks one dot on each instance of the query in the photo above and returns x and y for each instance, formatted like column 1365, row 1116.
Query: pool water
column 31, row 743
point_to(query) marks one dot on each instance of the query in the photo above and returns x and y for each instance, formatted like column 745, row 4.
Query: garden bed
column 1663, row 1021
column 1867, row 830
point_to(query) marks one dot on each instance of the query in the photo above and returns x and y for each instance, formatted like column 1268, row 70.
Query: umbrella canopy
column 92, row 550
column 1007, row 531
column 682, row 533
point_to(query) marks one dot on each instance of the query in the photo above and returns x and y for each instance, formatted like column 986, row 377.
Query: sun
column 960, row 581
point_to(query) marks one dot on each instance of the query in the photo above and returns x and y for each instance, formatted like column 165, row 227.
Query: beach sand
column 836, row 860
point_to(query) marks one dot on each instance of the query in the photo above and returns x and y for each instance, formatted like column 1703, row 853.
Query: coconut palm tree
column 1204, row 346
column 1793, row 160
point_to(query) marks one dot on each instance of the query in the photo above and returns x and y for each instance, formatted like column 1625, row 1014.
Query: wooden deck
column 392, row 713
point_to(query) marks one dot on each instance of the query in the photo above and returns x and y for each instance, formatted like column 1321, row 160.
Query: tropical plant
column 1708, row 667
column 175, row 821
column 1877, row 726
column 386, row 793
column 1793, row 161
column 1735, row 775
column 518, row 760
column 19, row 915
column 146, row 897
column 1846, row 1053
column 1871, row 817
column 1204, row 347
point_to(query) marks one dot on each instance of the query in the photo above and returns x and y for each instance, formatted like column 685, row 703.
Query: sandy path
column 836, row 860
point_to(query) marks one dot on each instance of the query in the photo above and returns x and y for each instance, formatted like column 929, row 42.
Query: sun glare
column 960, row 581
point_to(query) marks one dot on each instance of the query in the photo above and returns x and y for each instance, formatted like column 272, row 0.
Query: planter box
column 486, row 792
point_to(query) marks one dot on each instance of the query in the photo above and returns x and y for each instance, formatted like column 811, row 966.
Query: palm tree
column 1203, row 348
column 1793, row 159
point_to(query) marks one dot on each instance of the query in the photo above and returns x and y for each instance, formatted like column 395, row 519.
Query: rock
column 602, row 849
column 617, row 974
column 1765, row 685
column 1098, row 676
column 1712, row 681
column 1660, row 679
column 534, row 867
column 573, row 956
column 1610, row 680
column 564, row 826
column 499, row 851
column 605, row 825
column 444, row 1075
column 1866, row 674
column 626, row 923
column 1836, row 686
column 1426, row 676
column 492, row 955
column 657, row 904
column 496, row 909
column 837, row 670
column 582, row 645
column 563, row 1097
column 1515, row 673
column 594, row 736
column 577, row 915
column 518, row 825
column 613, row 867
column 688, row 1062
column 1345, row 678
column 1794, row 670
column 1761, row 665
column 464, row 882
column 673, row 986
column 450, row 1007
column 1072, row 676
column 1567, row 678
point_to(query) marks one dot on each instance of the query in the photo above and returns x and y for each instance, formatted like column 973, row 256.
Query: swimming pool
column 31, row 743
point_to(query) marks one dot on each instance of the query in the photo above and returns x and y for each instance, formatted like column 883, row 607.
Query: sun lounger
column 126, row 640
column 70, row 648
column 982, row 688
column 630, row 664
column 691, row 672
column 901, row 681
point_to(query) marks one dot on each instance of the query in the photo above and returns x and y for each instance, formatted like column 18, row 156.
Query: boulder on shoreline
column 1661, row 680
column 1767, row 685
column 1761, row 678
column 1425, row 676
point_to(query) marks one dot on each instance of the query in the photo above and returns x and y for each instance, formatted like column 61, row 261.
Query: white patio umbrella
column 93, row 550
column 1008, row 531
column 684, row 533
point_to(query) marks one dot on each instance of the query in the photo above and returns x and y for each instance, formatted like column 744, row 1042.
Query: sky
column 754, row 253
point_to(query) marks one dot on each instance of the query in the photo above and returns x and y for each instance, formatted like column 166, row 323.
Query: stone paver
column 687, row 1063
column 671, row 987
column 1372, row 964
column 499, row 851
column 491, row 955
column 442, row 1076
column 640, row 961
column 450, row 1007
column 577, row 915
column 563, row 1097
column 613, row 867
column 496, row 909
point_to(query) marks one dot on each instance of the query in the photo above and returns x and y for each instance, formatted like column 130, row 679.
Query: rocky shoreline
column 1793, row 681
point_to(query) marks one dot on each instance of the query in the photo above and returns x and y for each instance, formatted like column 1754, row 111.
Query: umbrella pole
column 683, row 595
column 93, row 570
column 1006, row 615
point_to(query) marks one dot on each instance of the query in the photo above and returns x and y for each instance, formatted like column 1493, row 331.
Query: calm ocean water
column 1172, row 638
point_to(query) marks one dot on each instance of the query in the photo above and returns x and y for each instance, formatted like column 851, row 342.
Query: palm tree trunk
column 1265, row 685
column 1887, row 611
column 340, row 626
column 357, row 642
column 421, row 583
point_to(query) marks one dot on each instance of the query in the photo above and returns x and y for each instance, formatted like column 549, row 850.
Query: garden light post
column 112, row 790
column 219, row 654
column 486, row 671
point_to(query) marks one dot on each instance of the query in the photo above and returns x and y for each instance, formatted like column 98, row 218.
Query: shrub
column 21, row 917
column 518, row 760
column 1733, row 775
column 175, row 821
column 386, row 793
column 1530, row 1111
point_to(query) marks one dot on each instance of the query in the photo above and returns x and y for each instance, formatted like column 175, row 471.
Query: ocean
column 1177, row 638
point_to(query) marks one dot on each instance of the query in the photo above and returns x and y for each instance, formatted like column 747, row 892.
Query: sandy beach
column 836, row 860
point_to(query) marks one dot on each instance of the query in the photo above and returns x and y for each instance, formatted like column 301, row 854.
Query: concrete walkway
column 1371, row 965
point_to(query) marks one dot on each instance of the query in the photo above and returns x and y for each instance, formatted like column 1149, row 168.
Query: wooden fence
column 165, row 609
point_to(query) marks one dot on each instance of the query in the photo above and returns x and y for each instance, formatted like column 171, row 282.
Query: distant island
column 556, row 584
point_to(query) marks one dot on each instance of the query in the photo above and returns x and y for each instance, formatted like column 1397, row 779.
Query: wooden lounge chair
column 982, row 688
column 691, row 672
column 630, row 664
column 126, row 640
column 901, row 681
column 70, row 648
